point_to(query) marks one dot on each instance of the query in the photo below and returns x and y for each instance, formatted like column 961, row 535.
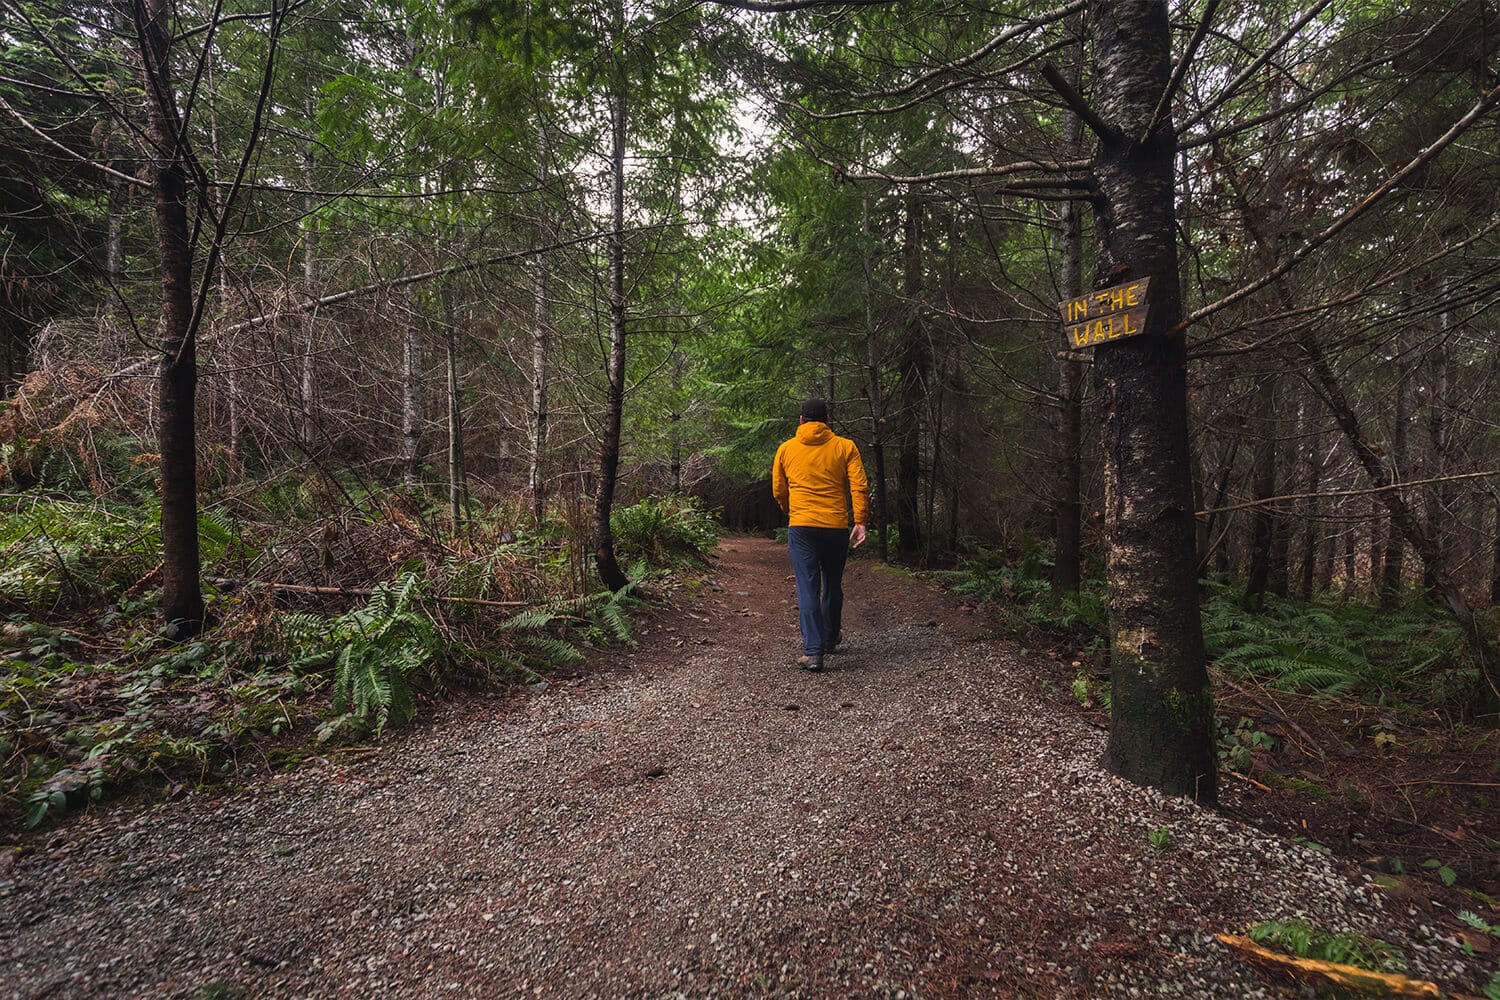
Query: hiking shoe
column 813, row 664
column 832, row 645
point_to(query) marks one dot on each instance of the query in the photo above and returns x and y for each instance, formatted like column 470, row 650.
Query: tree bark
column 1395, row 547
column 605, row 560
column 1495, row 559
column 1067, row 563
column 177, row 384
column 541, row 337
column 457, row 480
column 1349, row 568
column 1308, row 569
column 912, row 389
column 876, row 395
column 1067, row 555
column 309, row 283
column 1161, row 727
column 1263, row 487
column 1213, row 545
column 675, row 430
column 411, row 415
column 1442, row 500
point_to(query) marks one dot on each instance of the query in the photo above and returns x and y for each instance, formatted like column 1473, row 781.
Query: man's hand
column 857, row 536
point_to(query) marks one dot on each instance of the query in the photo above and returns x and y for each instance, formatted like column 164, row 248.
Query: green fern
column 552, row 649
column 613, row 617
column 381, row 648
column 1301, row 938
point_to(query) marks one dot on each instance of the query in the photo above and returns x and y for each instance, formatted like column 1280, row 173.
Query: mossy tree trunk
column 1161, row 729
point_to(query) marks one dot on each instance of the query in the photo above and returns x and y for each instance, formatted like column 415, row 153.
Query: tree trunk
column 1395, row 548
column 1067, row 555
column 114, row 252
column 411, row 415
column 1161, row 727
column 1215, row 546
column 955, row 453
column 1495, row 559
column 1313, row 528
column 1067, row 563
column 875, row 396
column 1405, row 522
column 609, row 450
column 912, row 390
column 458, row 493
column 182, row 597
column 1263, row 487
column 1349, row 561
column 310, row 287
column 675, row 430
column 541, row 331
column 1442, row 499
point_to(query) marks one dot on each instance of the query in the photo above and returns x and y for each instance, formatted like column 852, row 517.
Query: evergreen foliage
column 665, row 532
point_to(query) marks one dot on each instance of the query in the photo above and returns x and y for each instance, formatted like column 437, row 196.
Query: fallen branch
column 1281, row 714
column 229, row 583
column 1347, row 977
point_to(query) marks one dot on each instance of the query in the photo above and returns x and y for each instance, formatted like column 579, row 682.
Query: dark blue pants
column 818, row 557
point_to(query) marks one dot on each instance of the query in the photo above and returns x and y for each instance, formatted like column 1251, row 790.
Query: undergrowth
column 1414, row 655
column 1304, row 940
column 94, row 701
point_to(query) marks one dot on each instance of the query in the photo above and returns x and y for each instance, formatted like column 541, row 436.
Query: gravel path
column 922, row 820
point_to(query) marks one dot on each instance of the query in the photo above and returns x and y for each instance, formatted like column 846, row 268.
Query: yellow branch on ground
column 1382, row 984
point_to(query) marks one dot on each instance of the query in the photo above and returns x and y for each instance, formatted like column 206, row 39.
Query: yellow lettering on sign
column 1133, row 294
column 1080, row 335
column 1078, row 309
column 1099, row 335
column 1128, row 329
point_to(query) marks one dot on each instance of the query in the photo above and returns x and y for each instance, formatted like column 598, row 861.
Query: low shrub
column 666, row 532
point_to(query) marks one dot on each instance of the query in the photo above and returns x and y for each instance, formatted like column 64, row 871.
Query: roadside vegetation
column 1345, row 726
column 334, row 614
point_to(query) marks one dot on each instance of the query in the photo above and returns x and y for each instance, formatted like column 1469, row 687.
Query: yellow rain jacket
column 810, row 475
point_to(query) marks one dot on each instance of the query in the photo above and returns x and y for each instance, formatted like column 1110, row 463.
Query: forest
column 358, row 358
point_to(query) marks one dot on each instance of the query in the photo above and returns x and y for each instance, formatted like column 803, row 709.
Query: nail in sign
column 1105, row 315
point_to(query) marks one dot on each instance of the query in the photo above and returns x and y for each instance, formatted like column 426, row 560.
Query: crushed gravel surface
column 702, row 819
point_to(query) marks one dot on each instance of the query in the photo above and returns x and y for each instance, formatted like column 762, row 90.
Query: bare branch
column 1458, row 128
column 1268, row 501
column 785, row 6
column 1004, row 170
column 103, row 167
column 1164, row 105
column 441, row 272
column 984, row 50
column 1080, row 107
column 1254, row 67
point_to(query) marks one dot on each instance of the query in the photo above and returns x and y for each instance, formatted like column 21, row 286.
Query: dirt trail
column 922, row 820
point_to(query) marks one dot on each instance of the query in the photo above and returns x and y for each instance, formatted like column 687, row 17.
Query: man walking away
column 811, row 476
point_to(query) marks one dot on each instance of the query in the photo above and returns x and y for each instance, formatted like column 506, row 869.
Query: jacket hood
column 814, row 432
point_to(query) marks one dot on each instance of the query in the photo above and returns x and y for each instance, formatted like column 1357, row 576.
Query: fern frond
column 556, row 651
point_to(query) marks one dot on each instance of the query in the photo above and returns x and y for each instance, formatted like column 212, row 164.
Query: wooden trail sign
column 1105, row 315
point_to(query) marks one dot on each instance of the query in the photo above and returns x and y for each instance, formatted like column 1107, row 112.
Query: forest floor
column 696, row 817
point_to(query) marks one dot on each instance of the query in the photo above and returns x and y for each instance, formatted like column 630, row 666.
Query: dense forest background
column 458, row 305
